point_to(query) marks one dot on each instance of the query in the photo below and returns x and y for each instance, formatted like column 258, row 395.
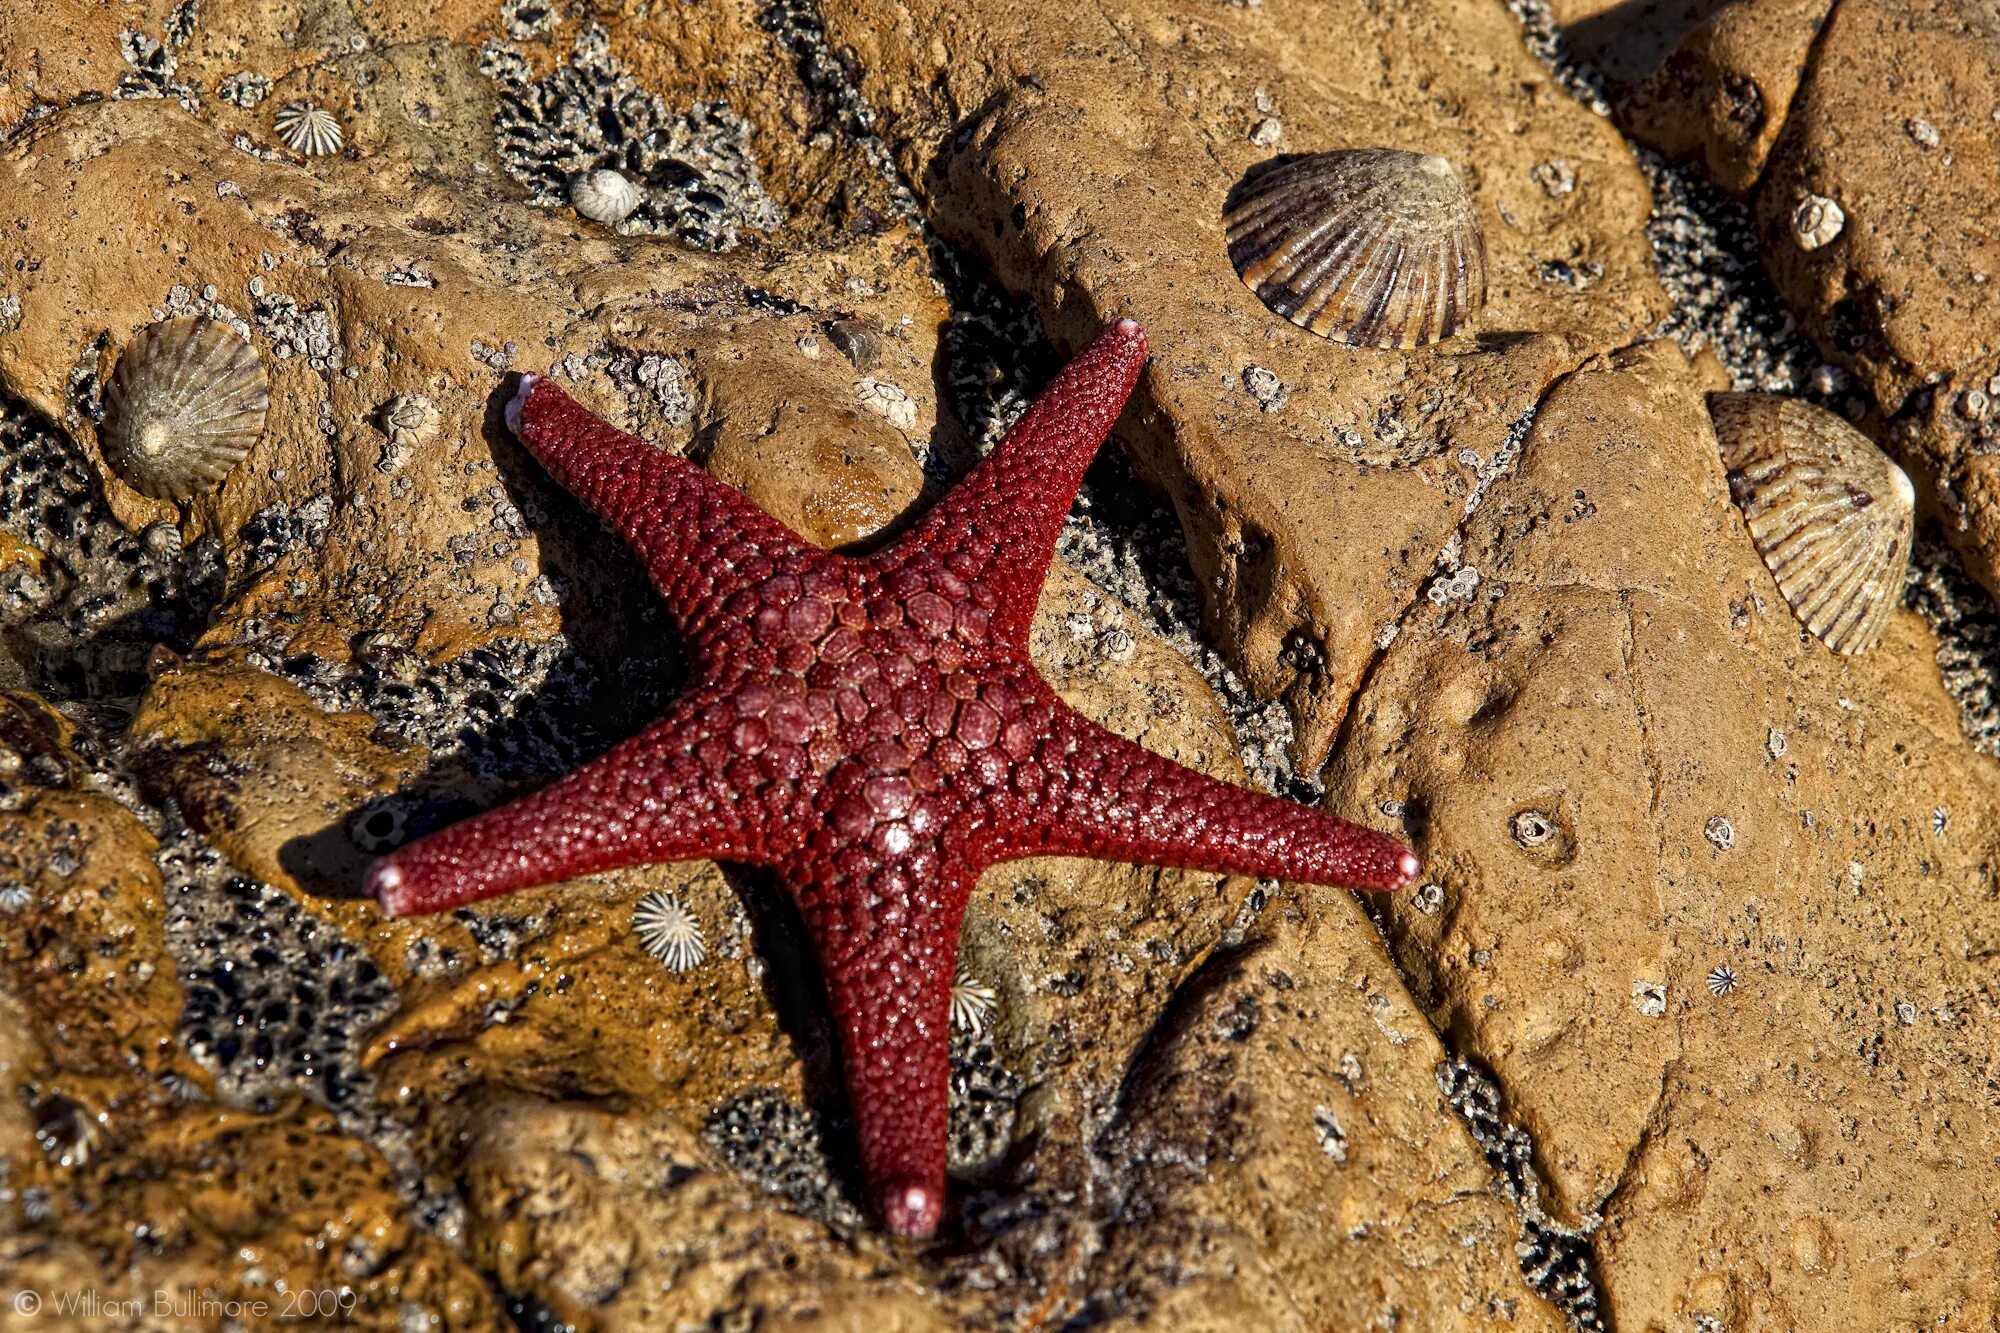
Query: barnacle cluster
column 985, row 1096
column 1557, row 1262
column 508, row 710
column 277, row 998
column 1706, row 248
column 778, row 1144
column 694, row 170
column 81, row 617
column 152, row 64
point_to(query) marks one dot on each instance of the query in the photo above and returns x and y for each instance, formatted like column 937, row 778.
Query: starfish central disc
column 872, row 730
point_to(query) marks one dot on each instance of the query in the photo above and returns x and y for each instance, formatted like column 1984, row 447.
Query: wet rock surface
column 1689, row 1024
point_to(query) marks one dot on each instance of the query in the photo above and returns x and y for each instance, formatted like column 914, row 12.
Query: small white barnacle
column 604, row 195
column 308, row 128
column 668, row 931
column 1722, row 979
column 1532, row 828
column 407, row 421
column 1720, row 832
column 1816, row 221
column 15, row 896
column 888, row 401
column 973, row 1003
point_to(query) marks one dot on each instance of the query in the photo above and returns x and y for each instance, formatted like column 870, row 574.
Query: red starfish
column 871, row 728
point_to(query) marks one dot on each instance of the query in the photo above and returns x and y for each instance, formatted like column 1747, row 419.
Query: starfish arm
column 666, row 794
column 1120, row 801
column 696, row 535
column 887, row 942
column 999, row 526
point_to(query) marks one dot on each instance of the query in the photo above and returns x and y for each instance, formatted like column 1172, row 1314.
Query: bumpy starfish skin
column 870, row 728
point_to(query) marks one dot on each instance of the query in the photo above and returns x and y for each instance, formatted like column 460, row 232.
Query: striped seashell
column 308, row 128
column 185, row 404
column 1373, row 247
column 669, row 931
column 1828, row 511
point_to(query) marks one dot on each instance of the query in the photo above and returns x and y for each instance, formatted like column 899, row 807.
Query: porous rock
column 1193, row 1095
column 1620, row 671
column 1723, row 93
column 1089, row 156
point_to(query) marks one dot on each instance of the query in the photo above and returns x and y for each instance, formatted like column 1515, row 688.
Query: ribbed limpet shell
column 308, row 128
column 1829, row 512
column 1373, row 247
column 184, row 406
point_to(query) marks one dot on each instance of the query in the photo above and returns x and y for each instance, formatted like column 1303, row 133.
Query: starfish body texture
column 870, row 728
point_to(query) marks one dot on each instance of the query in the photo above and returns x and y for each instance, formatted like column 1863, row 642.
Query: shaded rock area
column 1691, row 1024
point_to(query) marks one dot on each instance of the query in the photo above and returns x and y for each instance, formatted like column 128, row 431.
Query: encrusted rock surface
column 1691, row 1025
column 1310, row 526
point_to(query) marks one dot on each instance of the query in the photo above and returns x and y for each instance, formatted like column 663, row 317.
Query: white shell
column 308, row 128
column 973, row 1003
column 185, row 405
column 1816, row 221
column 1832, row 516
column 668, row 931
column 604, row 196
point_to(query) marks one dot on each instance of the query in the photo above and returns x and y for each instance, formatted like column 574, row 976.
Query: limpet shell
column 1373, row 247
column 604, row 196
column 308, row 128
column 185, row 404
column 1829, row 512
column 669, row 931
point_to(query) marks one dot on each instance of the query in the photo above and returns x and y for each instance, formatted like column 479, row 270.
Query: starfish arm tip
column 911, row 1209
column 387, row 885
column 512, row 411
column 1407, row 866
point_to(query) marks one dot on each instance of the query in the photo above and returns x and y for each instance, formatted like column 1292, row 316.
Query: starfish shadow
column 516, row 712
column 796, row 992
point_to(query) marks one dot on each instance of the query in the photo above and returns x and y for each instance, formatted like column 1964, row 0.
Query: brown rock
column 1621, row 43
column 1629, row 766
column 1290, row 1093
column 624, row 1222
column 1899, row 296
column 1723, row 93
column 260, row 771
column 1624, row 763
